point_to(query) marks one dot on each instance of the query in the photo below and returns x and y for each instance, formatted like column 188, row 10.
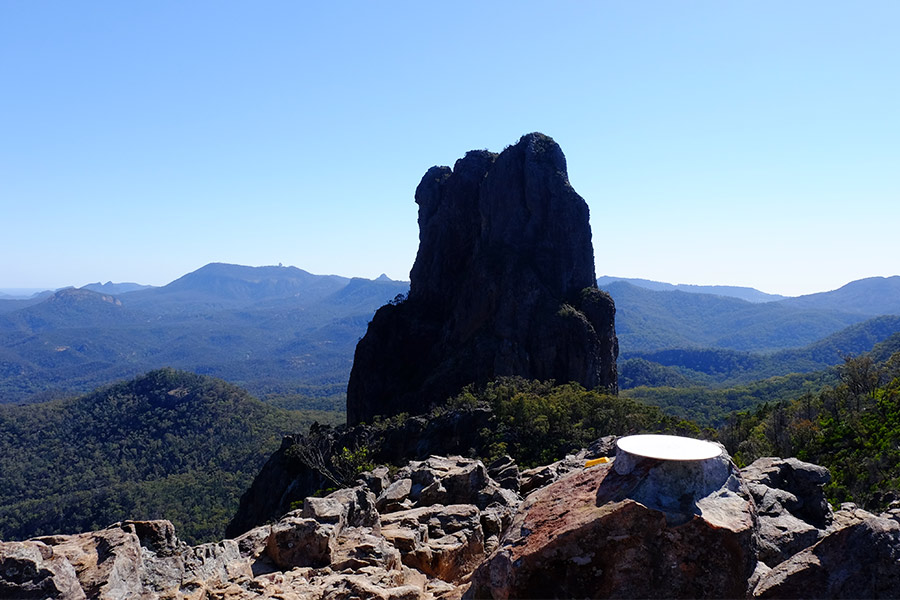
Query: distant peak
column 383, row 277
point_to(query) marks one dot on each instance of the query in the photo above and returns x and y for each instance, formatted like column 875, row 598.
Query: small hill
column 168, row 444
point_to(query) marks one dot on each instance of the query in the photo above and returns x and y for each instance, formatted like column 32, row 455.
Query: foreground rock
column 442, row 528
column 598, row 533
column 420, row 546
column 503, row 284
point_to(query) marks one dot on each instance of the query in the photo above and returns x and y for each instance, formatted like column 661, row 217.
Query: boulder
column 348, row 507
column 441, row 541
column 505, row 472
column 858, row 558
column 33, row 570
column 599, row 533
column 538, row 477
column 453, row 480
column 299, row 542
column 791, row 505
column 503, row 284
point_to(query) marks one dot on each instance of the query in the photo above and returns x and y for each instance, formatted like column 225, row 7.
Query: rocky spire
column 503, row 284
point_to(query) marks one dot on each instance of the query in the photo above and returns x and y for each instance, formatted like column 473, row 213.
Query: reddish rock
column 584, row 537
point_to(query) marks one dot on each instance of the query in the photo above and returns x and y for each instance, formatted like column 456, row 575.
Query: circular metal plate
column 668, row 447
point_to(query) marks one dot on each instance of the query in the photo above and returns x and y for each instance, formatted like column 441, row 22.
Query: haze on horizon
column 716, row 144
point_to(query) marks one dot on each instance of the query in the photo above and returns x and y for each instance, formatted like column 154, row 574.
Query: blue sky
column 740, row 143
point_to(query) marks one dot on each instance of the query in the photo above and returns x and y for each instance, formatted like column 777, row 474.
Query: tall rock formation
column 503, row 284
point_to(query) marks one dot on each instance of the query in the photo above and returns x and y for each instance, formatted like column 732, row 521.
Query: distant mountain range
column 648, row 320
column 282, row 330
column 274, row 330
column 744, row 293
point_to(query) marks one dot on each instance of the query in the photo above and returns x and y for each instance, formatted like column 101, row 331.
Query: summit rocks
column 443, row 529
column 503, row 284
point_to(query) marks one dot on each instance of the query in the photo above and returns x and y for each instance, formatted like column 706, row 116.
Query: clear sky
column 740, row 143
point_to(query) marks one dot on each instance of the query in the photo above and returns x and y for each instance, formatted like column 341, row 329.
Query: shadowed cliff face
column 503, row 284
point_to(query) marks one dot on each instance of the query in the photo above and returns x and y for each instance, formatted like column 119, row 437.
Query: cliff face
column 503, row 284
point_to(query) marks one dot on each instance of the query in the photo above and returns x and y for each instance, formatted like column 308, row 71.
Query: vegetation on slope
column 714, row 367
column 168, row 444
column 539, row 422
column 853, row 428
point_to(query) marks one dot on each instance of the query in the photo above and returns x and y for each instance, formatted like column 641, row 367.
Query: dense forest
column 168, row 444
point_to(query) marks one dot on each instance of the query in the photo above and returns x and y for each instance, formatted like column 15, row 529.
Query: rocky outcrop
column 135, row 559
column 793, row 512
column 503, row 284
column 443, row 528
column 857, row 558
column 284, row 481
column 599, row 533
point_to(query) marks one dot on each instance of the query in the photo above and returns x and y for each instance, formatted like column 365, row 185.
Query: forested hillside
column 852, row 427
column 168, row 444
column 686, row 367
column 658, row 320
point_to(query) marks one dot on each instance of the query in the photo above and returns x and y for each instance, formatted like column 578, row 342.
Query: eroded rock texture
column 596, row 533
column 503, row 284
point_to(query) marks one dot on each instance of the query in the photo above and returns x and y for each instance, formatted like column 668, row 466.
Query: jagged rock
column 586, row 535
column 284, row 481
column 538, row 477
column 503, row 284
column 858, row 558
column 33, row 570
column 505, row 472
column 395, row 496
column 800, row 479
column 440, row 541
column 790, row 500
column 298, row 542
column 454, row 480
column 143, row 559
column 348, row 507
column 376, row 480
column 635, row 528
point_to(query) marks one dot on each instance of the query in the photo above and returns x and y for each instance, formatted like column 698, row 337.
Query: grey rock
column 858, row 559
column 790, row 500
column 802, row 481
column 505, row 472
column 298, row 542
column 542, row 476
column 376, row 480
column 392, row 498
column 32, row 569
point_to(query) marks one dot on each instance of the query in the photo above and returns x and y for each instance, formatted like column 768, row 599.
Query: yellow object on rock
column 596, row 461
